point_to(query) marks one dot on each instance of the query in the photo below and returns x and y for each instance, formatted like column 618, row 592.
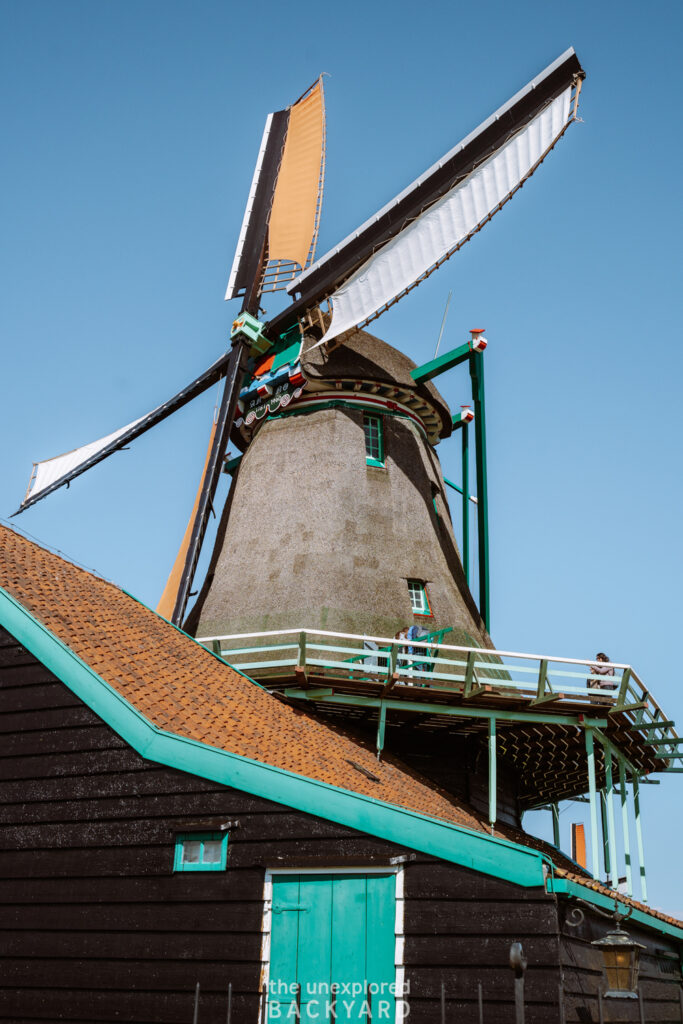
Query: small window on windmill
column 374, row 440
column 201, row 851
column 418, row 598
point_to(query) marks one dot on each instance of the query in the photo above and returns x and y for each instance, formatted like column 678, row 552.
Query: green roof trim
column 465, row 847
column 565, row 887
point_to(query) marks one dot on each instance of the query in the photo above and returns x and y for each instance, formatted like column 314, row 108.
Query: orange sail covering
column 294, row 214
column 168, row 599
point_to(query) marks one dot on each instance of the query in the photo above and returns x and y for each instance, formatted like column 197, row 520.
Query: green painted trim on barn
column 565, row 887
column 470, row 849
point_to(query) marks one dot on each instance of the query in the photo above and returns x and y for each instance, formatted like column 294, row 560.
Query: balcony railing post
column 302, row 649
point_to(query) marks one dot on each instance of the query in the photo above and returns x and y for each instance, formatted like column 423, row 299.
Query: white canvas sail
column 446, row 224
column 49, row 471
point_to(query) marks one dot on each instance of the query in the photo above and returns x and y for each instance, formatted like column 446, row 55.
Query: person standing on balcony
column 599, row 673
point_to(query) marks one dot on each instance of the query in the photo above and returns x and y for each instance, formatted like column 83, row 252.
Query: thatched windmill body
column 338, row 510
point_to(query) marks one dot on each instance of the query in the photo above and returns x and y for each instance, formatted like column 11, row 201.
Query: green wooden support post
column 493, row 780
column 592, row 792
column 555, row 810
column 623, row 689
column 393, row 661
column 466, row 501
column 639, row 839
column 624, row 825
column 542, row 674
column 477, row 375
column 611, row 828
column 216, row 647
column 606, row 860
column 381, row 726
column 302, row 650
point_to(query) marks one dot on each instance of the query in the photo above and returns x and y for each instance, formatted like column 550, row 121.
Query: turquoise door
column 332, row 948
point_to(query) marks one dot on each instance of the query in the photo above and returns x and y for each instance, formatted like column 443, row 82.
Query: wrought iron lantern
column 620, row 955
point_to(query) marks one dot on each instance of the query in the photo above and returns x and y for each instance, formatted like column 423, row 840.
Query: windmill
column 314, row 358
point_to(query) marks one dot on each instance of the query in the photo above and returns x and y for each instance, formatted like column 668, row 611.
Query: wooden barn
column 167, row 822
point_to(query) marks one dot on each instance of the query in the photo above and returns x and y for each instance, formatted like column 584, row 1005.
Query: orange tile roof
column 181, row 687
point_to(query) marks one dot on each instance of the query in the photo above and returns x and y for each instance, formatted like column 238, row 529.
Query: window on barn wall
column 201, row 851
column 373, row 429
column 419, row 602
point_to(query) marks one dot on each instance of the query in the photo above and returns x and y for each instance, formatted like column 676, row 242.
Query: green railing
column 440, row 667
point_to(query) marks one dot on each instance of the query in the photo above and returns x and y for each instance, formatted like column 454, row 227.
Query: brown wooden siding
column 660, row 972
column 94, row 925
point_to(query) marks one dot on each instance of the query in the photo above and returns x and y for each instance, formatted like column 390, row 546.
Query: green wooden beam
column 493, row 773
column 555, row 811
column 449, row 483
column 565, row 887
column 441, row 364
column 592, row 792
column 639, row 838
column 520, row 715
column 611, row 829
column 465, row 501
column 232, row 464
column 651, row 726
column 606, row 859
column 477, row 376
column 623, row 800
column 381, row 728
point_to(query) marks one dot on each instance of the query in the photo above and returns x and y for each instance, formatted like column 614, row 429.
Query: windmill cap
column 477, row 330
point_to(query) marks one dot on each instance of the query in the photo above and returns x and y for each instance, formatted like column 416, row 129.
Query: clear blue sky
column 130, row 132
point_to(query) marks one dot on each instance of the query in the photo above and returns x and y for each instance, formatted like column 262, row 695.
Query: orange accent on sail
column 292, row 222
column 170, row 594
column 578, row 850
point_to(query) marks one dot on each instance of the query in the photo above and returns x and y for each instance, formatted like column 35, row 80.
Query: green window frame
column 373, row 428
column 201, row 851
column 419, row 602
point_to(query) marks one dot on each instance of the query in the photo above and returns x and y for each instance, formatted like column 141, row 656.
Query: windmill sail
column 280, row 225
column 168, row 599
column 52, row 473
column 447, row 224
column 328, row 275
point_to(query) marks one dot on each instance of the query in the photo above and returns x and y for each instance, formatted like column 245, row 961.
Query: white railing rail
column 546, row 677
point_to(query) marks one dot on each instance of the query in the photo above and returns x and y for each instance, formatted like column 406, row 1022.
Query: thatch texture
column 314, row 537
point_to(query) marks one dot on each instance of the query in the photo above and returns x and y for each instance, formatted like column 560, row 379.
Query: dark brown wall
column 94, row 925
column 659, row 974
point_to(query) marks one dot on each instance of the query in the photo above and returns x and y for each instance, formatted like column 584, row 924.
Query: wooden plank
column 26, row 675
column 145, row 975
column 461, row 983
column 141, row 1007
column 540, row 950
column 47, row 720
column 435, row 880
column 472, row 917
column 61, row 741
column 144, row 782
column 41, row 695
column 245, row 947
column 233, row 885
column 72, row 763
column 226, row 804
column 217, row 916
